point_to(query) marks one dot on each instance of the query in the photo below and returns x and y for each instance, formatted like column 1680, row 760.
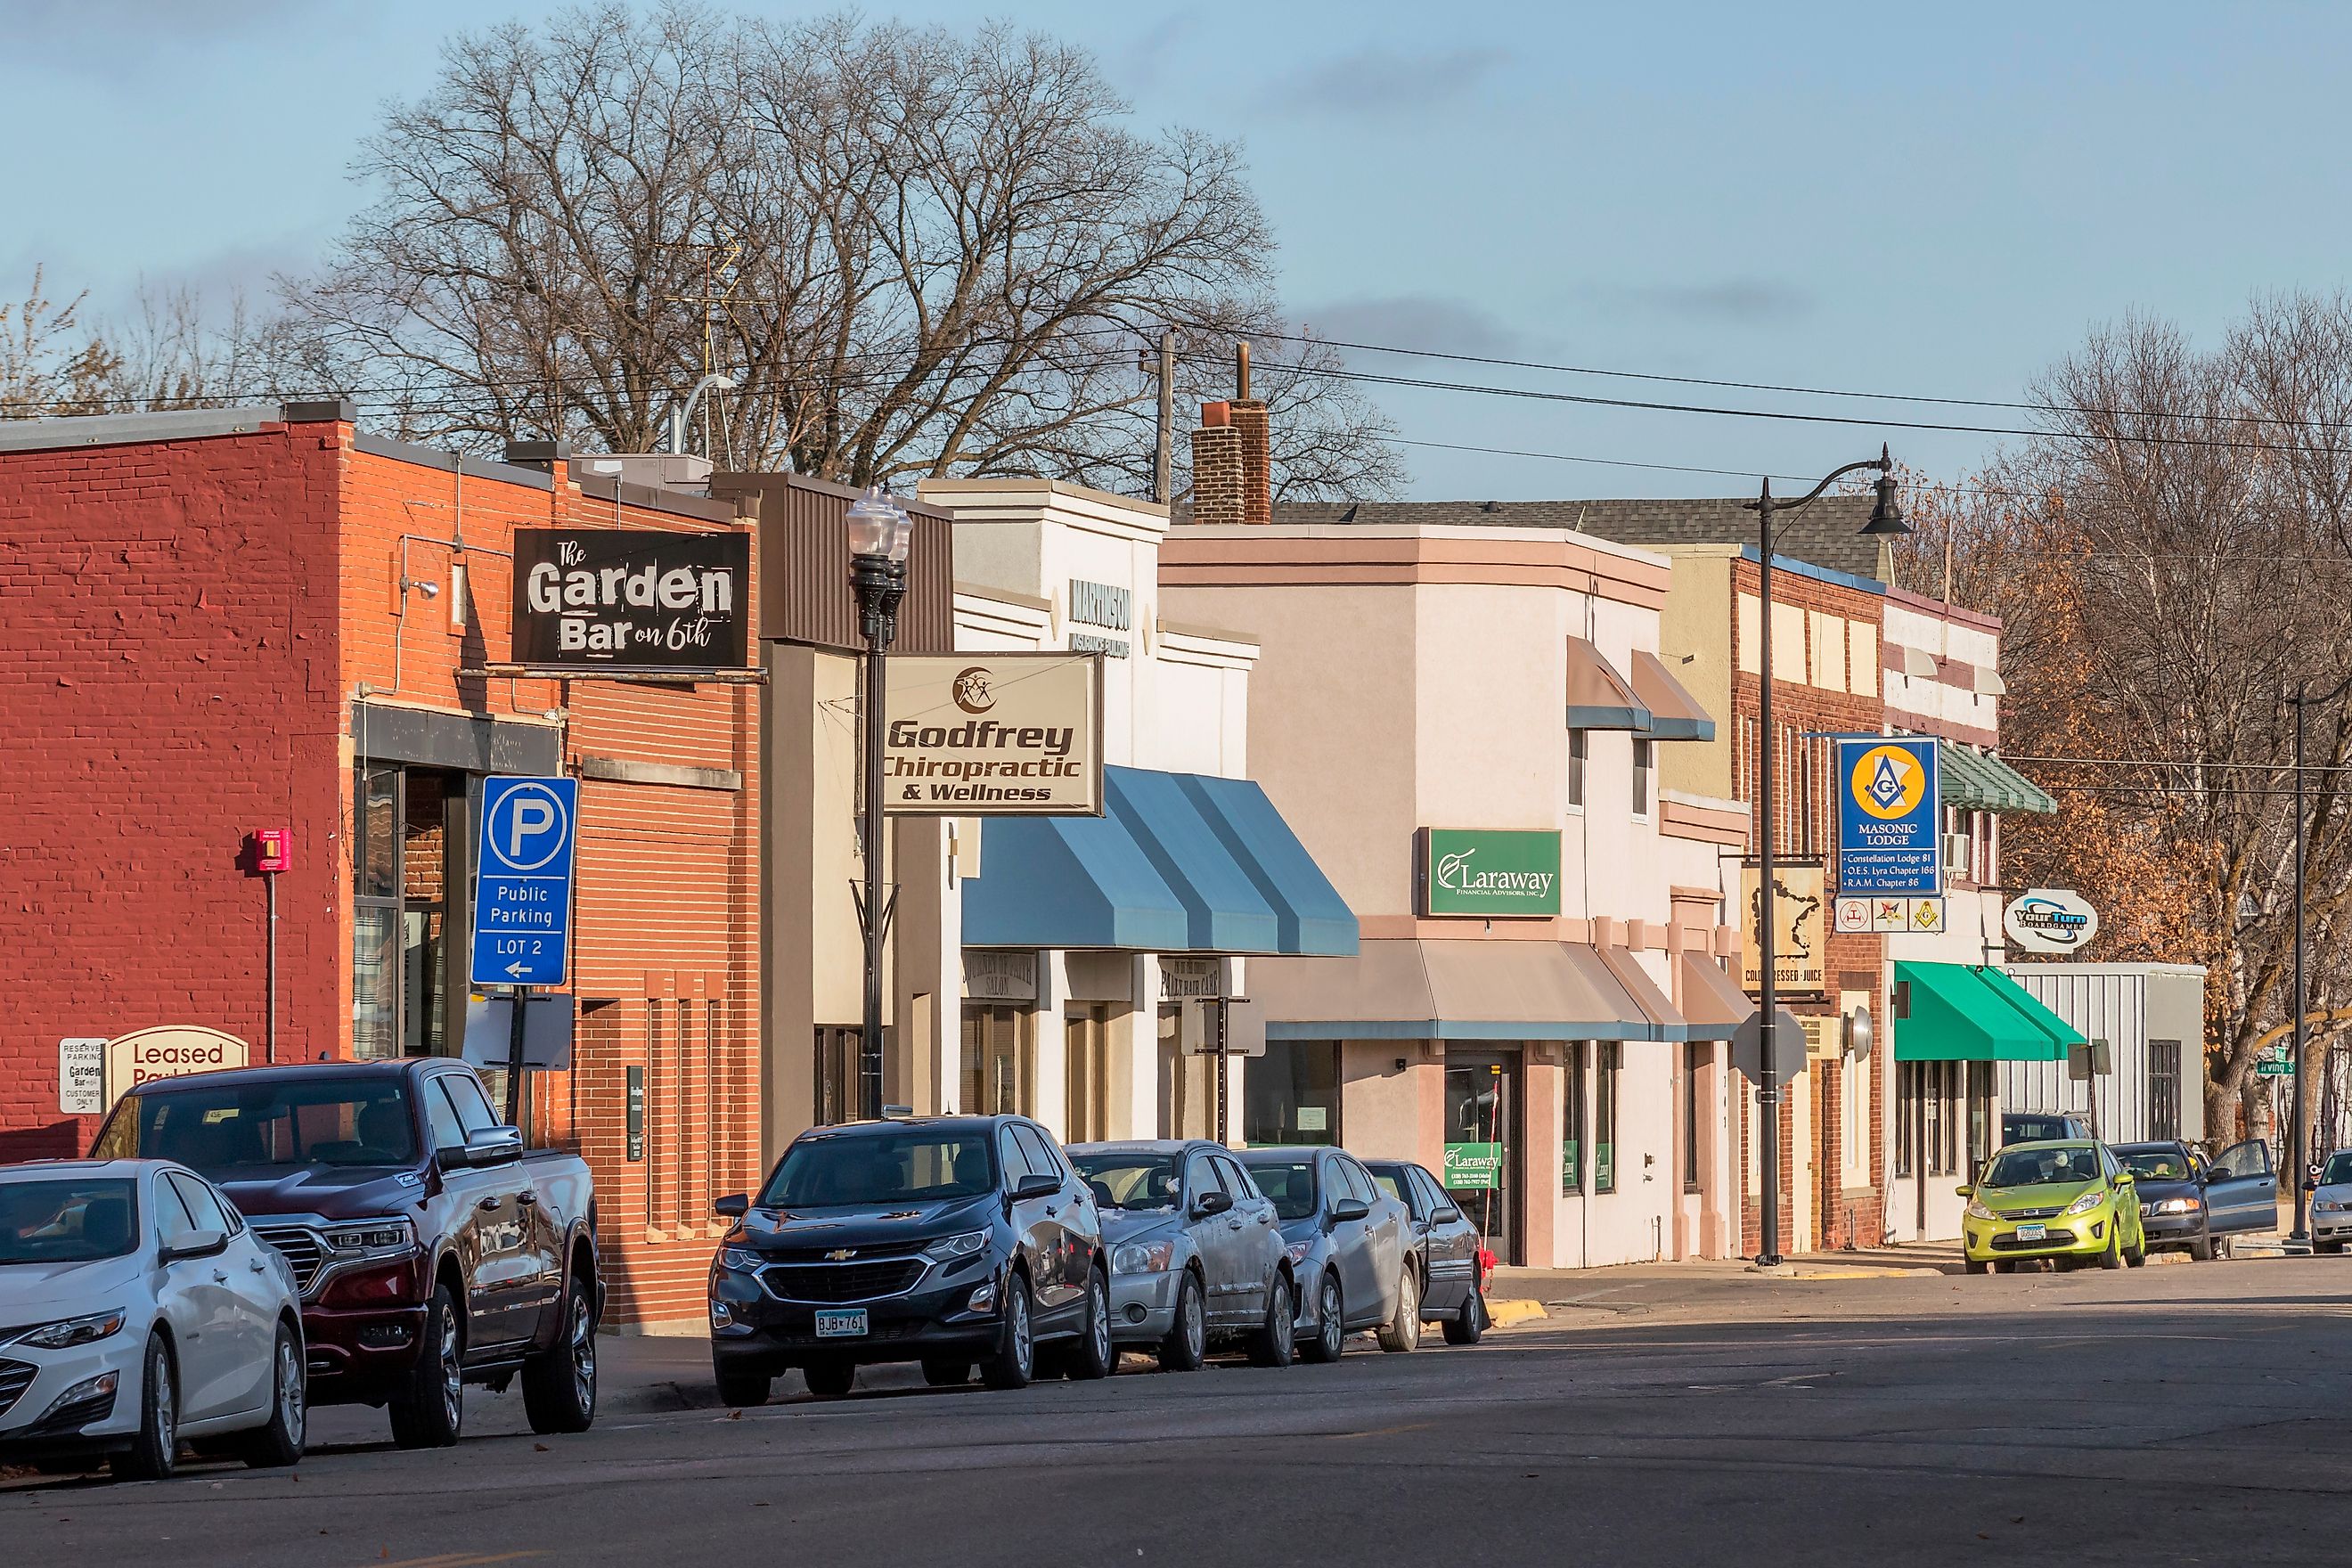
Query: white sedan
column 137, row 1313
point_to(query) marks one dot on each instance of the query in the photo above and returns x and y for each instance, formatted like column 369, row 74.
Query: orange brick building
column 217, row 621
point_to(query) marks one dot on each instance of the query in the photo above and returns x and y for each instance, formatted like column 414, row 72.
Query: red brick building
column 217, row 621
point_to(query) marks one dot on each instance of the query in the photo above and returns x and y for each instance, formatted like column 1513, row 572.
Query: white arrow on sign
column 518, row 969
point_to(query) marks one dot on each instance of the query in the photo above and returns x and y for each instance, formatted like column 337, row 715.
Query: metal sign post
column 522, row 898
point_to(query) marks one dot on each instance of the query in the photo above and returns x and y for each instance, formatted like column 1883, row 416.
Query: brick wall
column 1218, row 492
column 168, row 681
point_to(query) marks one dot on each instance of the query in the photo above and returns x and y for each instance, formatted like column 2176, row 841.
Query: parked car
column 2331, row 1204
column 1195, row 1253
column 1350, row 1247
column 2069, row 1202
column 2041, row 1127
column 948, row 1240
column 431, row 1248
column 2190, row 1205
column 144, row 1314
column 1453, row 1275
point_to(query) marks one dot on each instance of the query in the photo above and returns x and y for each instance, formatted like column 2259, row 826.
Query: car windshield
column 2044, row 1167
column 2339, row 1169
column 2034, row 1128
column 910, row 1167
column 2156, row 1164
column 226, row 1131
column 1391, row 1184
column 1290, row 1183
column 1130, row 1180
column 71, row 1220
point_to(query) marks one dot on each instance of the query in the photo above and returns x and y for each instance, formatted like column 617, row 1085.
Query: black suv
column 948, row 1240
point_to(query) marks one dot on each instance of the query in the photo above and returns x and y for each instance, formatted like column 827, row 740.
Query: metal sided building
column 2152, row 1016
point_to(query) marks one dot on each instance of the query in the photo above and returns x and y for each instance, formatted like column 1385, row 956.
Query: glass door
column 1482, row 1144
column 408, row 891
column 1087, row 1068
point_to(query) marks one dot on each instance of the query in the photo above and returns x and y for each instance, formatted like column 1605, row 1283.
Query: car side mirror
column 490, row 1146
column 1211, row 1202
column 1446, row 1216
column 1965, row 1191
column 734, row 1205
column 196, row 1244
column 1350, row 1208
column 2126, row 1179
column 1035, row 1185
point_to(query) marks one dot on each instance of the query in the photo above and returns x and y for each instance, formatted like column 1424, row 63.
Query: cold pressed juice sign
column 1488, row 873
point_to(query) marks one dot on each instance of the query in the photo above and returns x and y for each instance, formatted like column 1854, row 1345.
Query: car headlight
column 1978, row 1209
column 742, row 1259
column 2087, row 1202
column 376, row 1238
column 2177, row 1206
column 2318, row 1205
column 948, row 1248
column 1143, row 1257
column 1297, row 1250
column 67, row 1333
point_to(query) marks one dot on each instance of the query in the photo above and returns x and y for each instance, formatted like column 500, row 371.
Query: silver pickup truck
column 431, row 1248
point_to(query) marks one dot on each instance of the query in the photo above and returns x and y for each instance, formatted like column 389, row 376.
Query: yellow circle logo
column 1888, row 781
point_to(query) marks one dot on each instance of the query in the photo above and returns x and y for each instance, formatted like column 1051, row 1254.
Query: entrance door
column 1086, row 1033
column 1483, row 1138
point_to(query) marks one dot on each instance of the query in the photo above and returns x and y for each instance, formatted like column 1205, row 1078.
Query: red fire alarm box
column 272, row 849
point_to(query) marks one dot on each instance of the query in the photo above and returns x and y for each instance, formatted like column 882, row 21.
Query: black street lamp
column 1885, row 517
column 880, row 534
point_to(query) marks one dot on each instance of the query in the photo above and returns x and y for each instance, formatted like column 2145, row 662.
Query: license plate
column 845, row 1325
column 2024, row 1233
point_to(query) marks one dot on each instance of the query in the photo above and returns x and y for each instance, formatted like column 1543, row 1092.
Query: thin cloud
column 1429, row 321
column 1380, row 83
column 1734, row 301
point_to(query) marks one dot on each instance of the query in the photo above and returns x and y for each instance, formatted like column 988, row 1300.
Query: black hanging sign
column 625, row 599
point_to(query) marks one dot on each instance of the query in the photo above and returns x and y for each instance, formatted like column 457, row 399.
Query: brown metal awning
column 1628, row 972
column 1407, row 988
column 1712, row 1006
column 1675, row 713
column 1598, row 697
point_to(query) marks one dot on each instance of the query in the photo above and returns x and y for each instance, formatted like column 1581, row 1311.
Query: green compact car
column 2068, row 1200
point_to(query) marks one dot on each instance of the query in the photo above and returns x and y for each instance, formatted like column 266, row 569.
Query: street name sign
column 1890, row 805
column 522, row 880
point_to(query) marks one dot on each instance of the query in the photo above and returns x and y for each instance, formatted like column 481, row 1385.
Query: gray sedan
column 1195, row 1251
column 1350, row 1244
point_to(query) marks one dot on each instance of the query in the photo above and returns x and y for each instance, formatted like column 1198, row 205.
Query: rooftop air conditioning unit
column 1957, row 847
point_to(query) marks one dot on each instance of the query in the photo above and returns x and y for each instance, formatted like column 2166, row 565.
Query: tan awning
column 1712, row 1005
column 1598, row 697
column 1675, row 713
column 1628, row 972
column 1405, row 988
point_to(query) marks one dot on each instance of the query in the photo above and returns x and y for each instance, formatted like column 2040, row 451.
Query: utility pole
column 1164, row 473
column 2297, row 1136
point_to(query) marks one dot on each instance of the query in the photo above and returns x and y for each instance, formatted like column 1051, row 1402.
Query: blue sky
column 1936, row 200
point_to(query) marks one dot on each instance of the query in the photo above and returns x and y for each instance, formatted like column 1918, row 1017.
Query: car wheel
column 1468, row 1326
column 1402, row 1331
column 2330, row 1248
column 1015, row 1361
column 154, row 1452
column 947, row 1373
column 2200, row 1250
column 278, row 1443
column 740, row 1388
column 559, row 1384
column 830, row 1379
column 1975, row 1265
column 431, row 1412
column 1276, row 1339
column 1186, row 1344
column 1330, row 1324
column 2137, row 1255
column 2112, row 1258
column 1091, row 1356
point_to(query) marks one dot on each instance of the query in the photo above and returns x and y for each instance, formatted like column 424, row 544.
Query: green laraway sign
column 1470, row 1166
column 1488, row 872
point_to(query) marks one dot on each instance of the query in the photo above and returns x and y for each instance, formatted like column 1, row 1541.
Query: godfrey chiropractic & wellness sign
column 630, row 598
column 1006, row 734
column 1487, row 872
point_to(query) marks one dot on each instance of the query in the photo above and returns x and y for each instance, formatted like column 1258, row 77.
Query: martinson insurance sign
column 1492, row 873
column 1007, row 734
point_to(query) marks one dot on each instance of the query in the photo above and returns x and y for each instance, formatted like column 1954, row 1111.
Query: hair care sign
column 631, row 599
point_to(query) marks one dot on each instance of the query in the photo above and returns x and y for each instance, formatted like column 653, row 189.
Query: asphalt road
column 2164, row 1415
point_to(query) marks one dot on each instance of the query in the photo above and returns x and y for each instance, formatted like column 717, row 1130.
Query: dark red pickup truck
column 432, row 1249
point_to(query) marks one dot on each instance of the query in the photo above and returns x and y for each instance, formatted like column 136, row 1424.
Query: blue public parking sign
column 1890, row 807
column 522, row 883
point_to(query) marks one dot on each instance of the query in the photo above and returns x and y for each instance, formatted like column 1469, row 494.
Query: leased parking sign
column 522, row 883
column 1890, row 806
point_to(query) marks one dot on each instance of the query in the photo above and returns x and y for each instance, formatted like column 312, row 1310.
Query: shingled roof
column 1826, row 533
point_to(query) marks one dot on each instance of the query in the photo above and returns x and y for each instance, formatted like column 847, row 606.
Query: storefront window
column 1641, row 776
column 1087, row 1073
column 1607, row 1054
column 838, row 1059
column 401, row 952
column 1291, row 1094
column 1694, row 1063
column 1579, row 748
column 1188, row 1083
column 1981, row 1137
column 1572, row 1121
column 995, row 1080
column 2164, row 1088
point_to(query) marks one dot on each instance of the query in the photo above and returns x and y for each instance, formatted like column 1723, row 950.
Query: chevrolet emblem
column 841, row 1254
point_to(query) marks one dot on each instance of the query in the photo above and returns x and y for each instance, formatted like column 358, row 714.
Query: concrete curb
column 1512, row 1312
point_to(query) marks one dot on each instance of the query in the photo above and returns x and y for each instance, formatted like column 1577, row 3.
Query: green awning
column 1962, row 1012
column 1978, row 781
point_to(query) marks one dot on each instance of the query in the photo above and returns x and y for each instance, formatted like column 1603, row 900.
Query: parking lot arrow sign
column 522, row 880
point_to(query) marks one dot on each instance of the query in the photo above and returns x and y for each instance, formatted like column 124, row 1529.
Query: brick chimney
column 1217, row 464
column 1249, row 418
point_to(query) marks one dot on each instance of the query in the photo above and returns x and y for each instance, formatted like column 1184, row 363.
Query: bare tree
column 49, row 362
column 915, row 252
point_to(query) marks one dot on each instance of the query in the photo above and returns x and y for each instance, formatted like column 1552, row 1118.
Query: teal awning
column 1181, row 863
column 1978, row 781
column 1961, row 1011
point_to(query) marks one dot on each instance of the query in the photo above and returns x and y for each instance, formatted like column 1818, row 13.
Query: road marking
column 463, row 1559
column 1383, row 1431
